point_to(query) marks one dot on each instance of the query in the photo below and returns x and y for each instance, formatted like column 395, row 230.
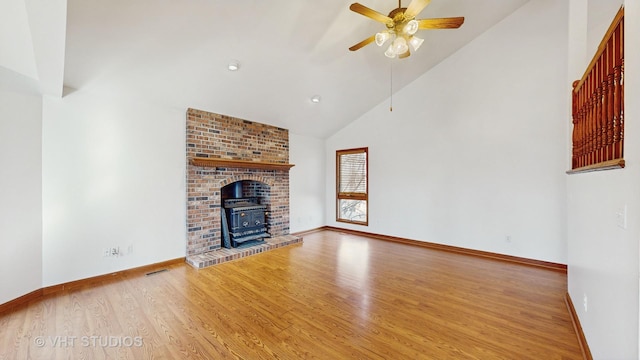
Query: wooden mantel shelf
column 243, row 164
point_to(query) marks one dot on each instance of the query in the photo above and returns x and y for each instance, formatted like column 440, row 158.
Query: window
column 352, row 186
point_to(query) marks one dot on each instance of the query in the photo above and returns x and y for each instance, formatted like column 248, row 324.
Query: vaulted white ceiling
column 32, row 38
column 176, row 53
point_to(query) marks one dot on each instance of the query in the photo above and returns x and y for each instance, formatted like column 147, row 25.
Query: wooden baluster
column 622, row 109
column 592, row 94
column 603, row 108
column 605, row 99
column 579, row 134
column 576, row 131
column 585, row 94
column 617, row 97
column 616, row 112
column 621, row 27
column 585, row 145
column 602, row 129
column 610, row 93
column 583, row 125
column 598, row 111
column 592, row 118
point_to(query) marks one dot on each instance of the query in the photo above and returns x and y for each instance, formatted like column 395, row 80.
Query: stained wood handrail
column 598, row 106
column 243, row 164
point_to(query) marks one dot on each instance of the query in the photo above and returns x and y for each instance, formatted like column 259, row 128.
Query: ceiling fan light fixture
column 411, row 27
column 390, row 53
column 415, row 42
column 401, row 26
column 399, row 45
column 382, row 37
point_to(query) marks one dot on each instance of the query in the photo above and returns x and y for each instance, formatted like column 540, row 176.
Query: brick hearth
column 223, row 255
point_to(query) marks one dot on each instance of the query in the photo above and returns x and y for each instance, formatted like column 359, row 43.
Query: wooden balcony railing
column 598, row 106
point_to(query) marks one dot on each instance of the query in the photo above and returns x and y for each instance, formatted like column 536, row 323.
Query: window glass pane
column 353, row 173
column 352, row 210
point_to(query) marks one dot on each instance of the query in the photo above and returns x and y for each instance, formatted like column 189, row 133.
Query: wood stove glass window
column 352, row 186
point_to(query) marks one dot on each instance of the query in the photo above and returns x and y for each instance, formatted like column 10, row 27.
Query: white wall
column 474, row 150
column 113, row 176
column 603, row 258
column 306, row 183
column 20, row 187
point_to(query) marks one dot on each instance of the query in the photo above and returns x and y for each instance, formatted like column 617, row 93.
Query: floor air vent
column 156, row 272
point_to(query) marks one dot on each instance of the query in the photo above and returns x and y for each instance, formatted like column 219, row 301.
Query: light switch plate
column 621, row 217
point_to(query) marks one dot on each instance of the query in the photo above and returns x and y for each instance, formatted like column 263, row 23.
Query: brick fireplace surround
column 259, row 157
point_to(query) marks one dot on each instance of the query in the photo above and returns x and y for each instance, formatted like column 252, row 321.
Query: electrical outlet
column 115, row 251
column 508, row 238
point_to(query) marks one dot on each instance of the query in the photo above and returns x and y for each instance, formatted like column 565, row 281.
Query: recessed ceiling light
column 316, row 99
column 233, row 66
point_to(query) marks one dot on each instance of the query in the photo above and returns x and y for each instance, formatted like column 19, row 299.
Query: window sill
column 605, row 165
column 363, row 223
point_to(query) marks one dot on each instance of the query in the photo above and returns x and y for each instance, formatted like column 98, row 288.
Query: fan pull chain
column 391, row 85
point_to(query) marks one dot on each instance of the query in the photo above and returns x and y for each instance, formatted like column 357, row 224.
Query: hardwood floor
column 336, row 296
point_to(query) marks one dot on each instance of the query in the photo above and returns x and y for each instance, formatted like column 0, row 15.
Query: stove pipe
column 233, row 190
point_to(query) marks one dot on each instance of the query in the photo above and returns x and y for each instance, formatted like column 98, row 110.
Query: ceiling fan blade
column 441, row 23
column 404, row 55
column 363, row 43
column 415, row 7
column 370, row 13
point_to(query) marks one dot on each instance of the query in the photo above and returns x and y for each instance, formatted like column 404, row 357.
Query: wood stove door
column 257, row 218
column 245, row 220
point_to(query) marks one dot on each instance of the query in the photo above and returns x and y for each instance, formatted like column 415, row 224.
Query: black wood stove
column 243, row 222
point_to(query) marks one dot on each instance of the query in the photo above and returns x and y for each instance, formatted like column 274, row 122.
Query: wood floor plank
column 334, row 296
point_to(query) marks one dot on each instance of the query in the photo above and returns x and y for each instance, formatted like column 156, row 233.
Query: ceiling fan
column 401, row 27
